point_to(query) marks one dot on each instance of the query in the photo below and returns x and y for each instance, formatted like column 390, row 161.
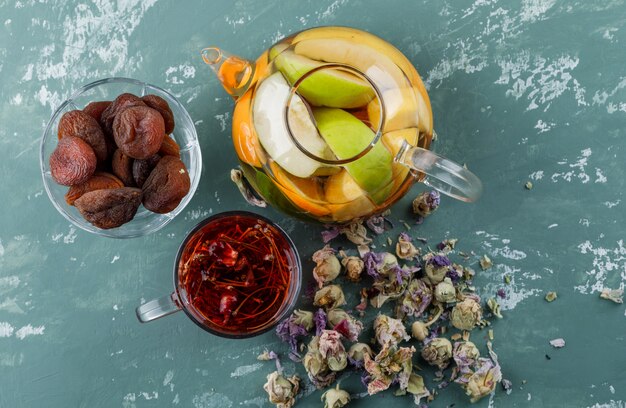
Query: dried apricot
column 95, row 109
column 122, row 167
column 109, row 208
column 160, row 105
column 79, row 124
column 72, row 162
column 166, row 186
column 121, row 103
column 169, row 147
column 99, row 181
column 139, row 131
column 143, row 167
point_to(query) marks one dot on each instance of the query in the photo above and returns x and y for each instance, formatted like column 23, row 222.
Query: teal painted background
column 531, row 90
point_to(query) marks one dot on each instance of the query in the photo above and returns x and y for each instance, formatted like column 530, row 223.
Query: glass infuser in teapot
column 334, row 124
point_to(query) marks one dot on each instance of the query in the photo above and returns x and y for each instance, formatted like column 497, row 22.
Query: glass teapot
column 333, row 124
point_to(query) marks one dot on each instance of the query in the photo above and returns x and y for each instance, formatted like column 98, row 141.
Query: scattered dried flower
column 494, row 306
column 614, row 295
column 327, row 266
column 557, row 343
column 293, row 327
column 528, row 185
column 354, row 266
column 345, row 324
column 392, row 364
column 320, row 320
column 485, row 263
column 426, row 203
column 466, row 315
column 316, row 367
column 416, row 299
column 335, row 398
column 417, row 388
column 389, row 330
column 356, row 233
column 329, row 297
column 282, row 391
column 447, row 245
column 445, row 291
column 419, row 330
column 484, row 378
column 330, row 234
column 405, row 249
column 436, row 266
column 357, row 352
column 392, row 287
column 551, row 296
column 332, row 350
column 465, row 354
column 376, row 223
column 267, row 356
column 438, row 352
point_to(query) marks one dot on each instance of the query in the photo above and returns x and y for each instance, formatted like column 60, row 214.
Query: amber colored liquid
column 235, row 273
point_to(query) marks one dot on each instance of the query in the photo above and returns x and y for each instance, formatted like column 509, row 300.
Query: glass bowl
column 145, row 221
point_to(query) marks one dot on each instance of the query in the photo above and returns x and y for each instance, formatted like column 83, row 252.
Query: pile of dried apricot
column 117, row 155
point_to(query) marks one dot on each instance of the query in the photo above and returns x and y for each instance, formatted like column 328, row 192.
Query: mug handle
column 158, row 308
column 443, row 175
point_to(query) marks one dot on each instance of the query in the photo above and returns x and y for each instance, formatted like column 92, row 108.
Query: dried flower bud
column 332, row 350
column 466, row 315
column 447, row 245
column 484, row 379
column 282, row 391
column 327, row 266
column 354, row 267
column 417, row 298
column 485, row 263
column 436, row 266
column 335, row 398
column 316, row 367
column 614, row 295
column 465, row 353
column 445, row 291
column 329, row 297
column 426, row 202
column 405, row 249
column 438, row 352
column 304, row 318
column 494, row 306
column 389, row 330
column 419, row 330
column 358, row 351
column 551, row 296
column 345, row 324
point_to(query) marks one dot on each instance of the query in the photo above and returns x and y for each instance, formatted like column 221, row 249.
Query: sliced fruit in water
column 393, row 141
column 305, row 193
column 327, row 87
column 347, row 200
column 269, row 123
column 376, row 65
column 347, row 137
column 404, row 108
column 244, row 137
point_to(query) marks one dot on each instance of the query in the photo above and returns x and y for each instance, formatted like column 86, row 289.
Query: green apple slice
column 327, row 87
column 269, row 123
column 347, row 136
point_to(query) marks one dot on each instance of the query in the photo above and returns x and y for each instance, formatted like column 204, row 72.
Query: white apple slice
column 269, row 122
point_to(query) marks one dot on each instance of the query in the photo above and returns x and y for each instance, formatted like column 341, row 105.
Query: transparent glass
column 333, row 124
column 177, row 300
column 145, row 222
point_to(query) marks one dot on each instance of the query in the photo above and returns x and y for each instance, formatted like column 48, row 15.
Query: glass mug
column 268, row 284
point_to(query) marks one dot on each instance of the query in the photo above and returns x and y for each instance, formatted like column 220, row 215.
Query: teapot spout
column 235, row 73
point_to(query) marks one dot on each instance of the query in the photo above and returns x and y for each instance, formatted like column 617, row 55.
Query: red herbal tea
column 234, row 274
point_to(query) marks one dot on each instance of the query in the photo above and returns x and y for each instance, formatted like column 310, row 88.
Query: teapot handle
column 443, row 175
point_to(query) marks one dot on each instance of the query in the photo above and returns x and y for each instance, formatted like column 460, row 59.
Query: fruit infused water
column 320, row 118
